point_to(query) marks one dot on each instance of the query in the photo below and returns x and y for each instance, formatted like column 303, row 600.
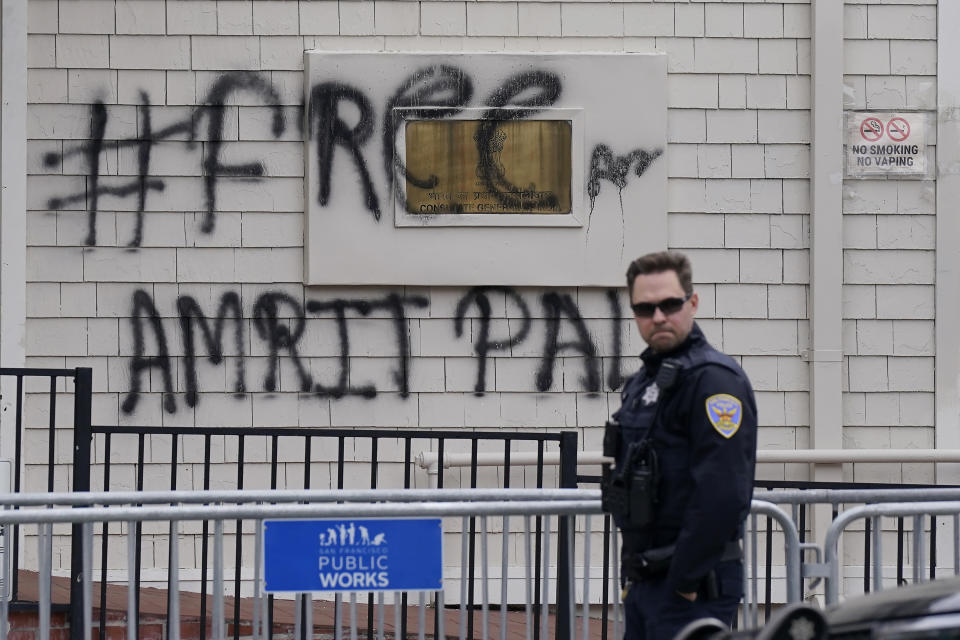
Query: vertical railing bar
column 900, row 527
column 464, row 544
column 527, row 578
column 297, row 617
column 131, row 584
column 877, row 554
column 956, row 544
column 204, row 543
column 45, row 542
column 539, row 608
column 545, row 617
column 104, row 542
column 338, row 615
column 605, row 579
column 219, row 615
column 381, row 635
column 617, row 600
column 933, row 547
column 5, row 596
column 173, row 617
column 308, row 616
column 768, row 571
column 571, row 522
column 440, row 623
column 374, row 470
column 484, row 580
column 422, row 616
column 867, row 564
column 586, row 579
column 471, row 561
column 87, row 543
column 753, row 571
column 52, row 434
column 353, row 616
column 398, row 624
column 504, row 582
column 18, row 455
column 141, row 446
column 257, row 561
column 917, row 549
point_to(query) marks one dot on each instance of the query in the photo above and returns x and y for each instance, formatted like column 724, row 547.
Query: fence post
column 565, row 564
column 82, row 400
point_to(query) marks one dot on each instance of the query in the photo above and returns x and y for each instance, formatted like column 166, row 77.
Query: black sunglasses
column 668, row 306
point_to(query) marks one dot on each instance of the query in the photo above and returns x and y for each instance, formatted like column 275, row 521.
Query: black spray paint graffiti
column 212, row 109
column 430, row 93
column 482, row 345
column 280, row 322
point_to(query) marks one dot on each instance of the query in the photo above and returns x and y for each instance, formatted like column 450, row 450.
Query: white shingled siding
column 739, row 97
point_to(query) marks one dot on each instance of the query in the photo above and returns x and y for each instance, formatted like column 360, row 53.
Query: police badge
column 651, row 394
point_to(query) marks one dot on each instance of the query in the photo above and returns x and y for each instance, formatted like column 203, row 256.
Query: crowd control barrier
column 521, row 544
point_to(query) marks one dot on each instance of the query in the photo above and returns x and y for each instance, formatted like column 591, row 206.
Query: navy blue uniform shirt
column 706, row 443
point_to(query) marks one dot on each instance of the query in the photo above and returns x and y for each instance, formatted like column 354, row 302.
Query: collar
column 652, row 359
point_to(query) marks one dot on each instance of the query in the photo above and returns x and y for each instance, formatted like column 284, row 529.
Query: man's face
column 661, row 331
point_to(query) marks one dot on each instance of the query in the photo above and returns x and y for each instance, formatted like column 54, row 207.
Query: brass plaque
column 488, row 166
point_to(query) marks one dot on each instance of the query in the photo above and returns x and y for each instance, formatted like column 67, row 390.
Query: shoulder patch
column 725, row 413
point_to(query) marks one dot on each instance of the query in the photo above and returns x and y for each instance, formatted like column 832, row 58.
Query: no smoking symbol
column 898, row 129
column 872, row 129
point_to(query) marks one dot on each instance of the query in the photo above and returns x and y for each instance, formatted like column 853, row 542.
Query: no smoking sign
column 885, row 143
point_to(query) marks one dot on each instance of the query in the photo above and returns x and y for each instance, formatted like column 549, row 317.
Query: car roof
column 928, row 598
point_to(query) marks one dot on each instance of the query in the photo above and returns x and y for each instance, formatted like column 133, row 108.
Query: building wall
column 103, row 292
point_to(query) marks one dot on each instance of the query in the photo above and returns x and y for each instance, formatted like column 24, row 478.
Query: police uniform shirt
column 705, row 440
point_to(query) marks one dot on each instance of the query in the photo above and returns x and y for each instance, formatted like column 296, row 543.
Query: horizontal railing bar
column 294, row 511
column 838, row 496
column 294, row 495
column 38, row 373
column 429, row 459
column 419, row 434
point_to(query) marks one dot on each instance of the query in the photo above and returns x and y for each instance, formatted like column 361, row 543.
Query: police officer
column 684, row 440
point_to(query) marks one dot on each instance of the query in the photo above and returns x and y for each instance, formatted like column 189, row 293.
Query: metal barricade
column 916, row 545
column 516, row 514
column 550, row 607
column 873, row 513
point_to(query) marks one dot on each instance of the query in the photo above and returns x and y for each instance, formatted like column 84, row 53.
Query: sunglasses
column 668, row 306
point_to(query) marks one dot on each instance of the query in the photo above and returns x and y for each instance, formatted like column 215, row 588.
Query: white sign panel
column 420, row 168
column 885, row 143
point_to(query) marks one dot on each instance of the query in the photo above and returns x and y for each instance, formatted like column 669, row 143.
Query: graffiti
column 534, row 89
column 433, row 92
column 445, row 89
column 604, row 165
column 191, row 315
column 482, row 345
column 393, row 303
column 557, row 305
column 212, row 109
column 331, row 131
column 280, row 321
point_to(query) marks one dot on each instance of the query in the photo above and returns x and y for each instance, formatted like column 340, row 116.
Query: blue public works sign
column 352, row 555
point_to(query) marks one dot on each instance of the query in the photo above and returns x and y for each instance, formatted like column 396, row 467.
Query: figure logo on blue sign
column 352, row 555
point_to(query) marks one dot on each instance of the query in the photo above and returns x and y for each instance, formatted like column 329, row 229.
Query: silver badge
column 802, row 629
column 651, row 394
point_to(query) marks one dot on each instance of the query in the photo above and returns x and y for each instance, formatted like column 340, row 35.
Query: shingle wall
column 103, row 292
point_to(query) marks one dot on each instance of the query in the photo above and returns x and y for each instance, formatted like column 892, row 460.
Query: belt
column 655, row 562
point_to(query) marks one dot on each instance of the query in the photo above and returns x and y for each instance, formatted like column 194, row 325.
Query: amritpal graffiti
column 280, row 322
column 342, row 117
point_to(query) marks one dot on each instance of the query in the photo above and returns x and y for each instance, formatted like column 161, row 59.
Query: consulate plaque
column 488, row 167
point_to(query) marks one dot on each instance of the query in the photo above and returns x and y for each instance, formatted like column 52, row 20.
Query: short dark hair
column 659, row 262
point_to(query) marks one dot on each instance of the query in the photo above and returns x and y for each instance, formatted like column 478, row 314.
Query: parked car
column 916, row 612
